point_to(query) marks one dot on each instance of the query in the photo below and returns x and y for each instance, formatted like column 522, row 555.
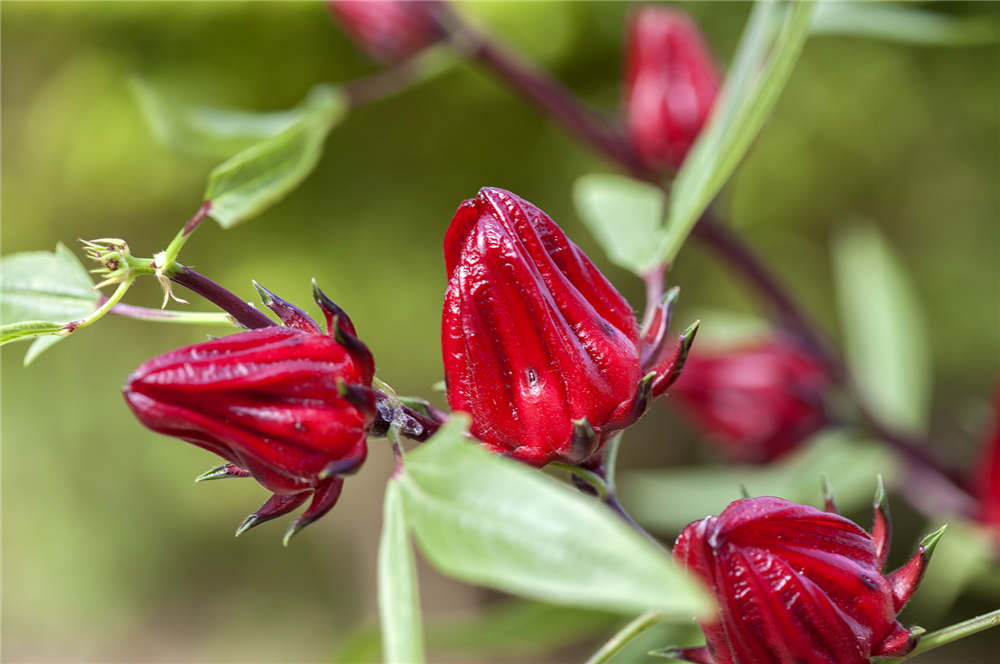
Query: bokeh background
column 110, row 553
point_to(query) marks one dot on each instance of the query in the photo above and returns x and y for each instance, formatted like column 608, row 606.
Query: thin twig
column 614, row 645
column 245, row 314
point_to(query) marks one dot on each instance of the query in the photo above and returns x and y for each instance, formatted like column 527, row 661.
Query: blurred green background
column 110, row 553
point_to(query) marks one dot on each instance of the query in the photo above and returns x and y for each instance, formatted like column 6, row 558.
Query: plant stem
column 613, row 645
column 102, row 310
column 654, row 293
column 741, row 258
column 949, row 634
column 543, row 91
column 183, row 317
column 611, row 500
column 167, row 259
column 244, row 313
column 611, row 460
column 396, row 78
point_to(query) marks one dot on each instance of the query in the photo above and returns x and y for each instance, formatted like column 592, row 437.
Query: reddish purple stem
column 245, row 314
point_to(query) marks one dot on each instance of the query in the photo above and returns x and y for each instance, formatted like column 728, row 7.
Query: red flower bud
column 671, row 84
column 797, row 585
column 989, row 476
column 290, row 406
column 389, row 30
column 538, row 346
column 759, row 401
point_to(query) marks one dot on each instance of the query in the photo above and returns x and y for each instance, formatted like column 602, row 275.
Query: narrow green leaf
column 756, row 78
column 884, row 333
column 492, row 521
column 256, row 178
column 205, row 131
column 670, row 499
column 398, row 598
column 27, row 329
column 41, row 291
column 625, row 216
column 902, row 23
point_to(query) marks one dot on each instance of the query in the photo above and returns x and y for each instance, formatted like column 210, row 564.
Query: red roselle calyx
column 989, row 477
column 757, row 401
column 389, row 30
column 538, row 346
column 796, row 585
column 291, row 406
column 671, row 84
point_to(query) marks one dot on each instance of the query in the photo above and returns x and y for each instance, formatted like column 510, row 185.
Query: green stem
column 611, row 460
column 166, row 316
column 168, row 257
column 590, row 477
column 613, row 645
column 948, row 634
column 101, row 311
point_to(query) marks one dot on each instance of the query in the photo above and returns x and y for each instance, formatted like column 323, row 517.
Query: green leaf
column 40, row 292
column 205, row 131
column 27, row 328
column 491, row 521
column 756, row 78
column 398, row 597
column 258, row 177
column 670, row 499
column 897, row 22
column 886, row 343
column 625, row 216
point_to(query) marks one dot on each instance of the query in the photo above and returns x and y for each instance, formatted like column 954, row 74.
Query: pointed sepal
column 346, row 466
column 331, row 310
column 290, row 315
column 882, row 525
column 670, row 369
column 899, row 642
column 829, row 504
column 359, row 396
column 584, row 441
column 355, row 348
column 324, row 498
column 222, row 472
column 277, row 505
column 699, row 655
column 655, row 333
column 904, row 581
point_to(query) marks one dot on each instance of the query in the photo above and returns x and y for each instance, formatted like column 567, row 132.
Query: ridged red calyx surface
column 796, row 585
column 757, row 401
column 290, row 406
column 388, row 30
column 671, row 84
column 538, row 346
column 989, row 476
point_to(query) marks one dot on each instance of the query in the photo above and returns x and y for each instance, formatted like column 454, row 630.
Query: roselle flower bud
column 389, row 30
column 989, row 477
column 797, row 585
column 538, row 346
column 757, row 401
column 290, row 406
column 671, row 84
